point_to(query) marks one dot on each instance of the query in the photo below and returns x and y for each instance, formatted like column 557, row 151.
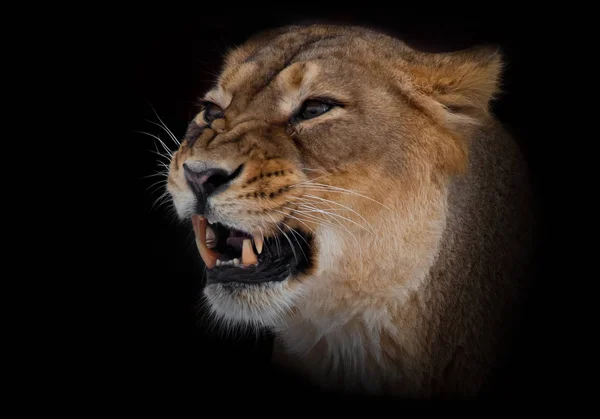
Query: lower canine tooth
column 258, row 242
column 236, row 261
column 248, row 256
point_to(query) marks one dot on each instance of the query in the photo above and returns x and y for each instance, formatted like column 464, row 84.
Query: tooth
column 209, row 256
column 211, row 238
column 219, row 263
column 236, row 261
column 248, row 256
column 258, row 242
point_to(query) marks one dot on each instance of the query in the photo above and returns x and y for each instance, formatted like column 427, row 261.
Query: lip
column 233, row 256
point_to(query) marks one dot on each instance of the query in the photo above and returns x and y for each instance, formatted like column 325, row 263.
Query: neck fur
column 349, row 317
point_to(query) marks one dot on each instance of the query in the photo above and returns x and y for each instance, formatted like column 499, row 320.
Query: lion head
column 317, row 167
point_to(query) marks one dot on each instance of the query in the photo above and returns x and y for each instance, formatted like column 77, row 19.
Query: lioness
column 359, row 198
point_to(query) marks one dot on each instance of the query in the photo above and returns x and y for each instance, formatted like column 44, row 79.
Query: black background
column 166, row 60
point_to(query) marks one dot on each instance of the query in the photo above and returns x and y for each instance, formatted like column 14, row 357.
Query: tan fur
column 415, row 267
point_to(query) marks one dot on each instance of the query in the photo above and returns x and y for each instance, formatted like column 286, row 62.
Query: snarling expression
column 307, row 130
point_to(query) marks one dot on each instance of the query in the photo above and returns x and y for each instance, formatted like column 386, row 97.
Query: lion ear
column 463, row 83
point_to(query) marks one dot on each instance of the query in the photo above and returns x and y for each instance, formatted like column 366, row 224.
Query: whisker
column 155, row 174
column 164, row 198
column 158, row 190
column 276, row 237
column 352, row 235
column 160, row 155
column 309, row 181
column 285, row 235
column 321, row 211
column 347, row 219
column 167, row 130
column 330, row 188
column 343, row 206
column 294, row 233
column 291, row 216
column 158, row 182
column 314, row 218
column 329, row 207
column 157, row 206
column 167, row 149
column 300, row 235
column 165, row 126
column 309, row 214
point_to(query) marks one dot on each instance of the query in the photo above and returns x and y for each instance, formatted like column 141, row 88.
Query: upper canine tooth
column 248, row 256
column 258, row 242
column 209, row 256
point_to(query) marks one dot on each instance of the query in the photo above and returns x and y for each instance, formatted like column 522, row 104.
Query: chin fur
column 260, row 305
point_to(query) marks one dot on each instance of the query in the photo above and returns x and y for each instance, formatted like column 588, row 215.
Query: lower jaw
column 251, row 276
column 264, row 304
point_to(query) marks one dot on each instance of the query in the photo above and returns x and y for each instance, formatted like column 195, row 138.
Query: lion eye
column 212, row 112
column 313, row 108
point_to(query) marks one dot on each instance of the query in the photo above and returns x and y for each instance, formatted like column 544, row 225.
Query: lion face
column 320, row 158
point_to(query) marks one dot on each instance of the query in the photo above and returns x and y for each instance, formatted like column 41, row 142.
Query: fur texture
column 417, row 199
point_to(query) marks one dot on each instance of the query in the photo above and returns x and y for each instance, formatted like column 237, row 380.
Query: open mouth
column 234, row 256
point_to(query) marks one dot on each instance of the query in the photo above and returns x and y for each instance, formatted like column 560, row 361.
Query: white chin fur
column 262, row 305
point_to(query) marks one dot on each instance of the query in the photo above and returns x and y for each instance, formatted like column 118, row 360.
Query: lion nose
column 206, row 182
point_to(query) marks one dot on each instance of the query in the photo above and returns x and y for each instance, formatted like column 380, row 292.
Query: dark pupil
column 314, row 109
column 212, row 112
